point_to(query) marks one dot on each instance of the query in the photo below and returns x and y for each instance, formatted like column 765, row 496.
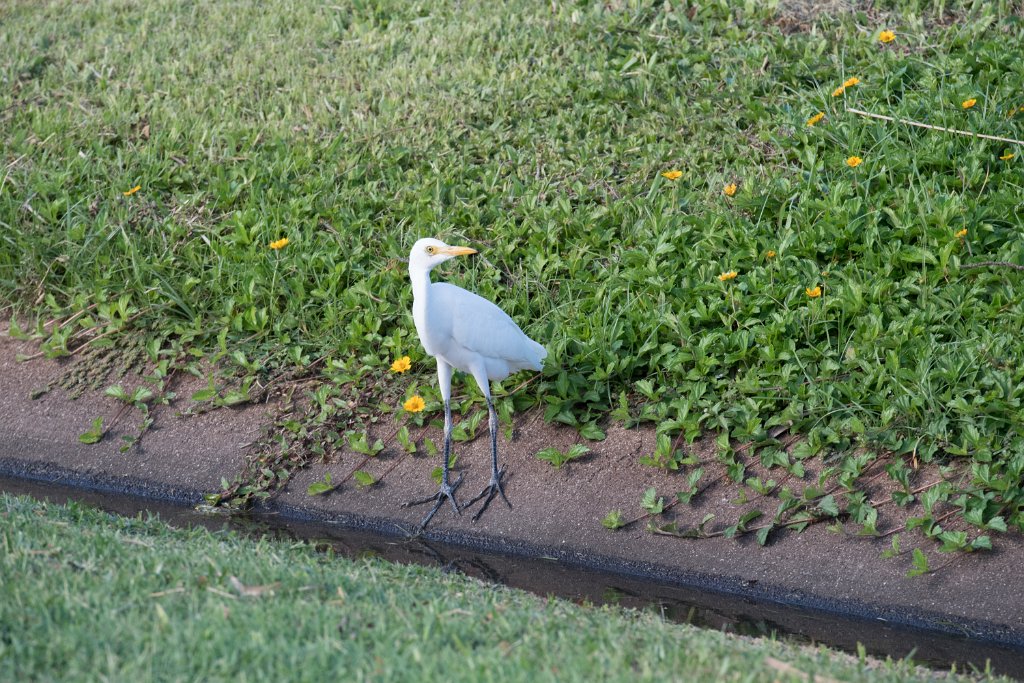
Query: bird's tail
column 538, row 356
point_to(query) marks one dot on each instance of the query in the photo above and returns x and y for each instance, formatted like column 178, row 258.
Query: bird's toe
column 445, row 492
column 494, row 488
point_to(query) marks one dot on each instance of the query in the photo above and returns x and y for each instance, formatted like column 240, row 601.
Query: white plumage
column 464, row 331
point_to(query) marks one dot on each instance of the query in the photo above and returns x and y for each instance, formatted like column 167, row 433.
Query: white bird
column 466, row 332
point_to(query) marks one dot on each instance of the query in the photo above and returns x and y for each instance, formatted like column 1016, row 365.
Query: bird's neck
column 420, row 278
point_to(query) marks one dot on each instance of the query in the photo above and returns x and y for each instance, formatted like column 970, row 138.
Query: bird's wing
column 480, row 327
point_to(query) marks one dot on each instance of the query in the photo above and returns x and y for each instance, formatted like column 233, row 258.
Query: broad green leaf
column 94, row 434
column 320, row 487
column 364, row 479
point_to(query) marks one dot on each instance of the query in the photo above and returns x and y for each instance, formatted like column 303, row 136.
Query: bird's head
column 428, row 252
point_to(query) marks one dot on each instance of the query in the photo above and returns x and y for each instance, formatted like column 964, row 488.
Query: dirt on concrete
column 557, row 513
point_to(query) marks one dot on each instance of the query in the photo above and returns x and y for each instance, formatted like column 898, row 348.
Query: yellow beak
column 458, row 251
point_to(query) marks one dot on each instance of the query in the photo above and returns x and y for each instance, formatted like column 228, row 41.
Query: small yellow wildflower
column 850, row 82
column 132, row 191
column 838, row 91
column 414, row 404
column 729, row 189
column 1007, row 156
column 887, row 36
column 728, row 276
column 814, row 120
column 673, row 175
column 770, row 253
column 402, row 364
column 962, row 233
column 279, row 244
column 813, row 293
column 854, row 161
column 967, row 104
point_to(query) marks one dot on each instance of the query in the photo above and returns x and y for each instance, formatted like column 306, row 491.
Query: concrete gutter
column 807, row 583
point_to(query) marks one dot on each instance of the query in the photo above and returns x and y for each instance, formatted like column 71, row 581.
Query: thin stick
column 982, row 264
column 931, row 127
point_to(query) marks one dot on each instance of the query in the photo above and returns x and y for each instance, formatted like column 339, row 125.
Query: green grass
column 538, row 133
column 91, row 596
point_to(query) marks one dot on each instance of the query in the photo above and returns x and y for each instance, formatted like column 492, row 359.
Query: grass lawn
column 816, row 274
column 90, row 596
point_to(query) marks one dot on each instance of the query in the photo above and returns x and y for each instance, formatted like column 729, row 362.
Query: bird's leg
column 447, row 491
column 494, row 487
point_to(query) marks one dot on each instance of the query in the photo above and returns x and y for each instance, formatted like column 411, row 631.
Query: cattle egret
column 466, row 332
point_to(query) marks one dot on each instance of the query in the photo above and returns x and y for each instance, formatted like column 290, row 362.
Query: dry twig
column 931, row 127
column 1000, row 264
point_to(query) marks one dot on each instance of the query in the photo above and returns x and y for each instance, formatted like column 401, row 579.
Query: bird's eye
column 431, row 250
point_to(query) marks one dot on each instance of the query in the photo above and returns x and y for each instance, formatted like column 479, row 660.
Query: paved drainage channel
column 722, row 611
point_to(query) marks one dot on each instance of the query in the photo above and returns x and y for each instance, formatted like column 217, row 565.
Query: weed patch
column 649, row 195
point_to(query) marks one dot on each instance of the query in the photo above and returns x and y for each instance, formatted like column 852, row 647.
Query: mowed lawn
column 672, row 197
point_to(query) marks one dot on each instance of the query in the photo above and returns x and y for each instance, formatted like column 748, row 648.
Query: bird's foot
column 446, row 492
column 490, row 491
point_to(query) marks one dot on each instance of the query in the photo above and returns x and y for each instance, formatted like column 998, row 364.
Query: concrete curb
column 935, row 635
column 829, row 586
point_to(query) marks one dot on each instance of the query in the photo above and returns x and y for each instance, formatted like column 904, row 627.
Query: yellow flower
column 838, row 91
column 850, row 82
column 728, row 276
column 1007, row 156
column 887, row 36
column 132, row 191
column 814, row 120
column 279, row 244
column 402, row 364
column 854, row 162
column 673, row 175
column 813, row 293
column 962, row 233
column 770, row 253
column 729, row 189
column 414, row 404
column 967, row 104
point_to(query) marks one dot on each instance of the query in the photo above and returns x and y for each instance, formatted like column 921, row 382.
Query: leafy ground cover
column 93, row 596
column 674, row 198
